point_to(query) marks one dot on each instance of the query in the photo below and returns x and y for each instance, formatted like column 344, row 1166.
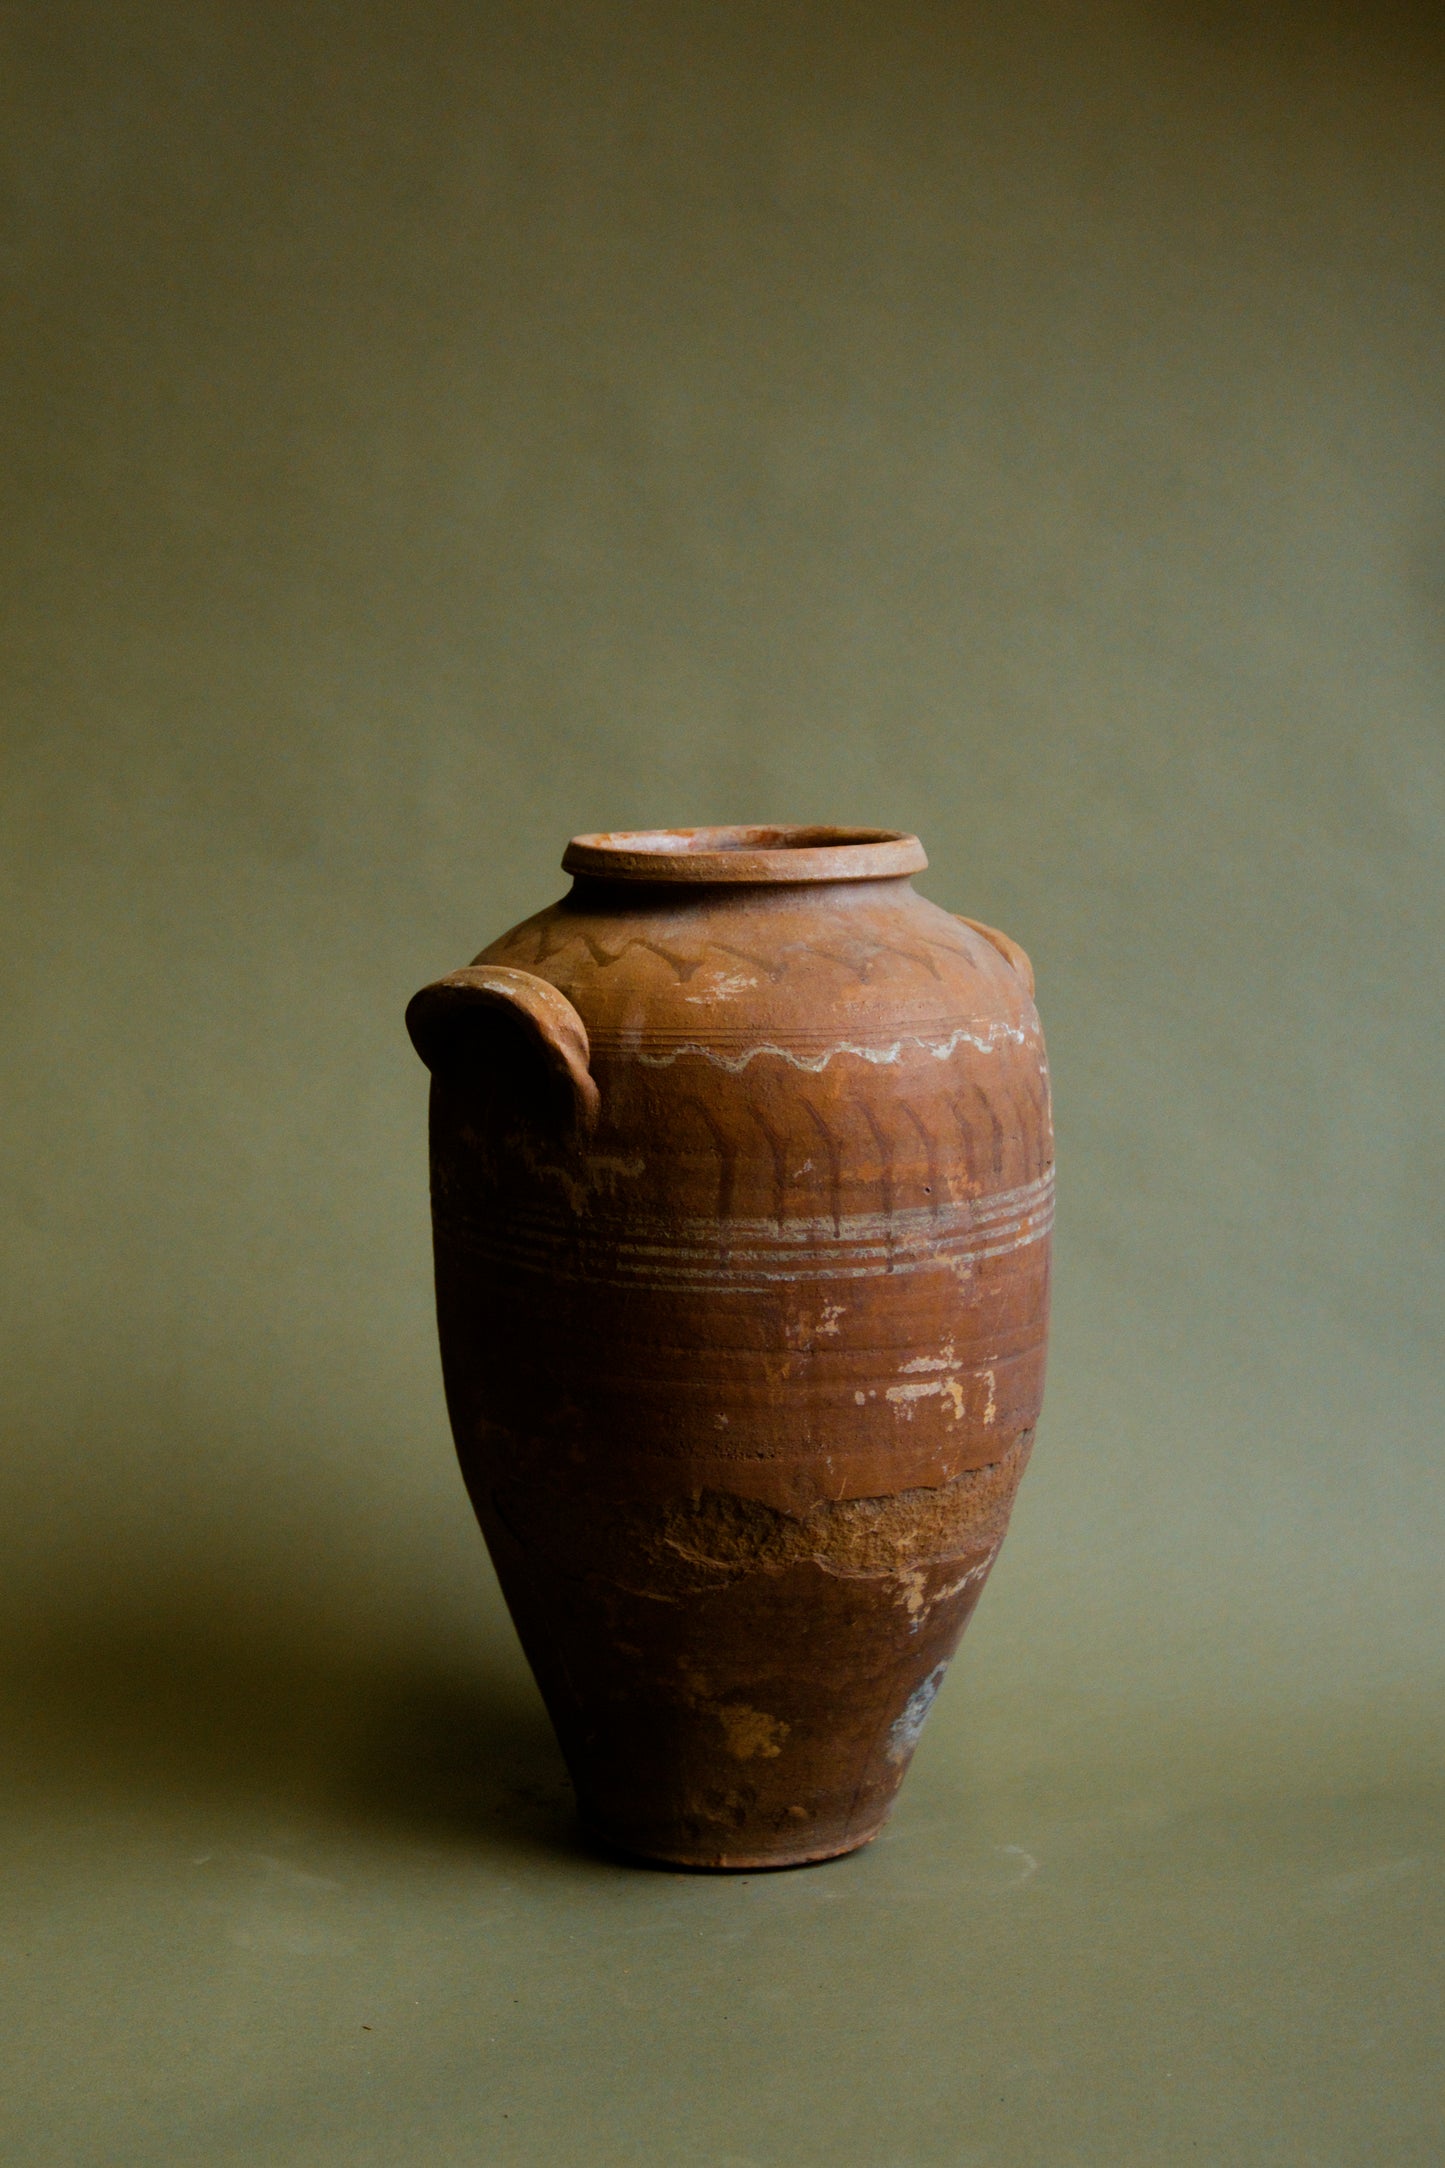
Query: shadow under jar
column 742, row 1182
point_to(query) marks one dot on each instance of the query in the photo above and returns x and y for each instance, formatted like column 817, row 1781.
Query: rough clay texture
column 715, row 1537
column 742, row 1190
column 727, row 1535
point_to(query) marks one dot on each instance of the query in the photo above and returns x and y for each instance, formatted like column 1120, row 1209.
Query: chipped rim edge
column 768, row 856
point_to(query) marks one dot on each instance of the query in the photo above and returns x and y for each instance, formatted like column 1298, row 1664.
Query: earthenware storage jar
column 742, row 1176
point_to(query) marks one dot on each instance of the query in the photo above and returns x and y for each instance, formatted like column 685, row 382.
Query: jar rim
column 772, row 856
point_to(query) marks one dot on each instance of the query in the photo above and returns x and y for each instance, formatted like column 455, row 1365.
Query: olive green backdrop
column 435, row 429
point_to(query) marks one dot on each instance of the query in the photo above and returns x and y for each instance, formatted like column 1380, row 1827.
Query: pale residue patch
column 601, row 1173
column 751, row 1733
column 719, row 986
column 912, row 1588
column 965, row 1580
column 806, row 1328
column 914, row 1596
column 950, row 1389
column 945, row 1361
column 903, row 1733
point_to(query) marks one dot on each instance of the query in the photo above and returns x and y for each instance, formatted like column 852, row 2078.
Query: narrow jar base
column 730, row 1862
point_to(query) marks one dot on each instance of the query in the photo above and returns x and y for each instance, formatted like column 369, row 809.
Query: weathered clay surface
column 742, row 1188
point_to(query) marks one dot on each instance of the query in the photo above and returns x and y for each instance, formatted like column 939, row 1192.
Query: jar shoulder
column 782, row 965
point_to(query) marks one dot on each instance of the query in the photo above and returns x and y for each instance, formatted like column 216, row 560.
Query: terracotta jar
column 742, row 1176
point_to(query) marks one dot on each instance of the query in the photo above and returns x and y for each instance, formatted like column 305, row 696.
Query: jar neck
column 738, row 857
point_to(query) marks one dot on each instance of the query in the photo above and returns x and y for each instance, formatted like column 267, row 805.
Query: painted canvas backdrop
column 430, row 432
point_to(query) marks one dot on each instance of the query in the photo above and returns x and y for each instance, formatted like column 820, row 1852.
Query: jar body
column 744, row 1371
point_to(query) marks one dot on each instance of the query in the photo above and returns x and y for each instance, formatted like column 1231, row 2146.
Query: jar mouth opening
column 770, row 855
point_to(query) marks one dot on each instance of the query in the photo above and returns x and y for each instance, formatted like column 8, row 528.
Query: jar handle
column 441, row 1020
column 1010, row 951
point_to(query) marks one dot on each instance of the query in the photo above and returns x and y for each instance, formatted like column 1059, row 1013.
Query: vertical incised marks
column 1041, row 1136
column 995, row 1129
column 777, row 1147
column 885, row 1160
column 966, row 1137
column 930, row 1152
column 727, row 1157
column 834, row 1153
